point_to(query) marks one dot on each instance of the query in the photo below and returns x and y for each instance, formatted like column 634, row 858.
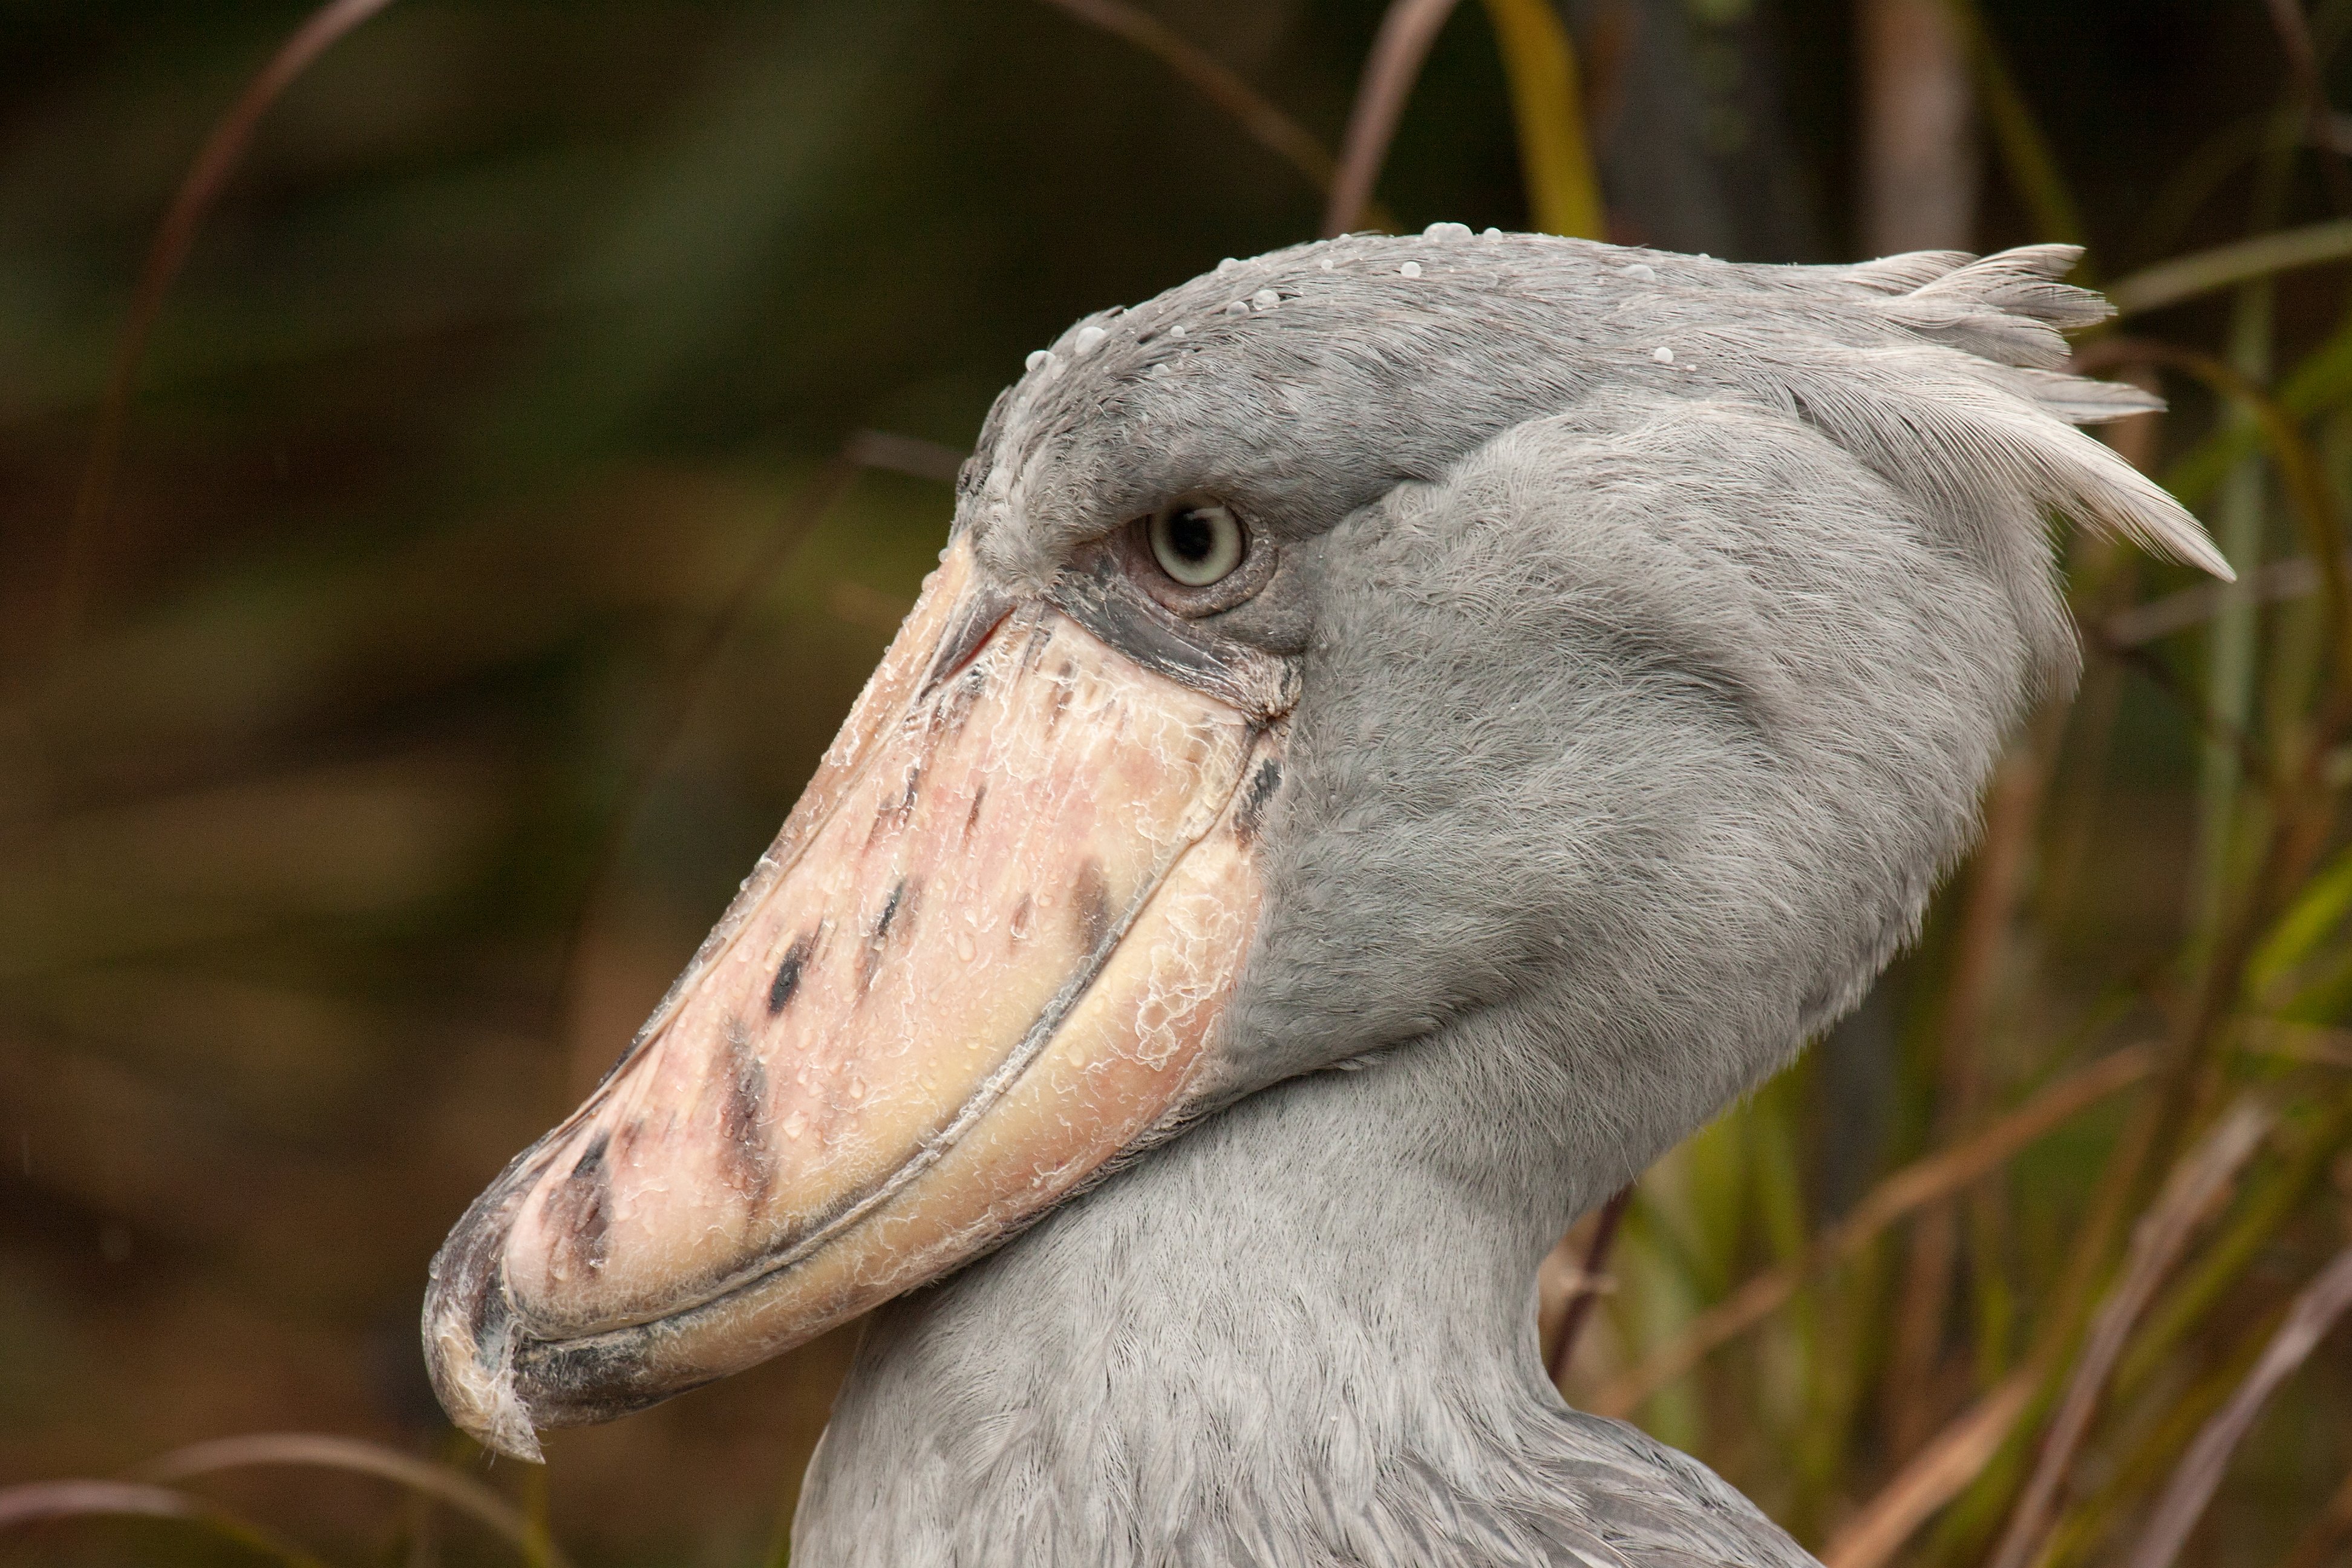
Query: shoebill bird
column 1402, row 730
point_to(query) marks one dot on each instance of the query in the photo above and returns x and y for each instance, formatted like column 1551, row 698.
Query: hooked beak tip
column 480, row 1395
column 489, row 1412
column 470, row 1354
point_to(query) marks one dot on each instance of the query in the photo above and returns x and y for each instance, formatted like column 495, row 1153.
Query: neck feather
column 1302, row 1332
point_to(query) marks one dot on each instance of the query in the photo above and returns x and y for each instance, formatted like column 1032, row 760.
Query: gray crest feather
column 2008, row 308
column 1941, row 371
column 2081, row 399
column 2005, row 313
column 1964, row 436
column 1902, row 274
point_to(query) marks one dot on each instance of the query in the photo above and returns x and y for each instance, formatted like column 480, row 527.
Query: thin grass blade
column 1210, row 77
column 1939, row 1472
column 2186, row 278
column 2192, row 1487
column 48, row 1502
column 1589, row 1285
column 460, row 1493
column 223, row 151
column 1399, row 51
column 2026, row 152
column 2195, row 1185
column 1944, row 1172
column 2315, row 914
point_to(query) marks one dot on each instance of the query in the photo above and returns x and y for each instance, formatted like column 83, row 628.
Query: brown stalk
column 2275, row 582
column 2196, row 1185
column 47, row 1502
column 2132, row 1473
column 2303, row 805
column 2304, row 814
column 2303, row 64
column 1919, row 192
column 1944, row 1172
column 865, row 449
column 2319, row 1538
column 2314, row 1044
column 2192, row 1487
column 2103, row 583
column 41, row 1501
column 2252, row 758
column 1939, row 1472
column 223, row 149
column 444, row 1485
column 2238, row 1249
column 1212, row 79
column 1588, row 1288
column 1919, row 129
column 1995, row 879
column 1399, row 50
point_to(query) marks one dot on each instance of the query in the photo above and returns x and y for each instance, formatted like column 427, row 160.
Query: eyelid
column 1108, row 597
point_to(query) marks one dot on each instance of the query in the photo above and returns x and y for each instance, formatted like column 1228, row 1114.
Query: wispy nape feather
column 1983, row 397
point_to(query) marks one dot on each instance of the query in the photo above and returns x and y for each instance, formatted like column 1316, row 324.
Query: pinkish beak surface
column 985, row 955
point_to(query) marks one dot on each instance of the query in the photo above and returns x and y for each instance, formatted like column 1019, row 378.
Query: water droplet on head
column 1642, row 272
column 1446, row 231
column 1089, row 339
column 1177, row 331
column 1410, row 269
column 965, row 947
column 1227, row 264
column 1038, row 357
column 794, row 1125
column 1663, row 355
column 1238, row 308
column 1490, row 234
column 1324, row 265
column 1266, row 298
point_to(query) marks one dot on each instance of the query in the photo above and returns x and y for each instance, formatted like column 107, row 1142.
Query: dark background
column 407, row 741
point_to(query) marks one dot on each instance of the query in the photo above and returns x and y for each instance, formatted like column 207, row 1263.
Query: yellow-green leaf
column 1563, row 196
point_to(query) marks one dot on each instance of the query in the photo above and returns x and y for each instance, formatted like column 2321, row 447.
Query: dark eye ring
column 1197, row 543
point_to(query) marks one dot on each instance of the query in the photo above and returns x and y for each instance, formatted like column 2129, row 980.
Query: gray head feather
column 1645, row 696
column 1314, row 391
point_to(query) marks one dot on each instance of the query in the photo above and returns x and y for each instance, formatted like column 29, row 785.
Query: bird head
column 1600, row 648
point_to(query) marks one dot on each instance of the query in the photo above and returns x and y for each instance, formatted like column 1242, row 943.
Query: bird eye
column 1197, row 542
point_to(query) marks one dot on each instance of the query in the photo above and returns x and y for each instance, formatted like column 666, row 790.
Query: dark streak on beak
column 983, row 609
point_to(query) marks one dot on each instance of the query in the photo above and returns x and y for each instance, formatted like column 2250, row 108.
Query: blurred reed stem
column 2240, row 513
column 1548, row 109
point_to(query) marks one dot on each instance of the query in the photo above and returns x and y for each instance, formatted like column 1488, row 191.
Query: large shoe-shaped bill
column 984, row 956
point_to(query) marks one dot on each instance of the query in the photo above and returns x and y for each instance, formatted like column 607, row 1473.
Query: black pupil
column 1191, row 535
